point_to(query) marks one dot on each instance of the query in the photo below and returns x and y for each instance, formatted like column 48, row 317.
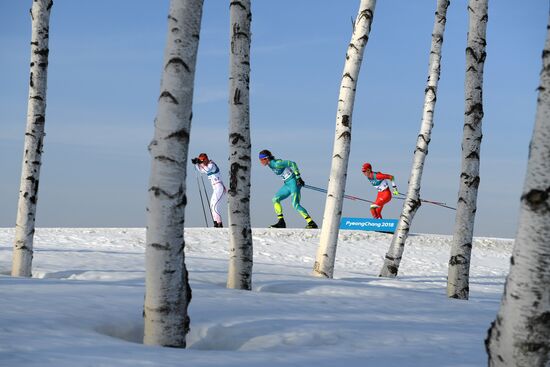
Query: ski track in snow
column 83, row 305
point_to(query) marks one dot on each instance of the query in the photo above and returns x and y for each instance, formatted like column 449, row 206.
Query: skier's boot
column 218, row 225
column 280, row 224
column 311, row 224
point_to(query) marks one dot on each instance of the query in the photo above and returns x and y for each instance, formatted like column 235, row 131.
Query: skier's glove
column 300, row 182
column 195, row 160
column 395, row 191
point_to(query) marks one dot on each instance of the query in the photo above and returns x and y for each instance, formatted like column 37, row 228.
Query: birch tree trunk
column 167, row 290
column 326, row 253
column 459, row 262
column 520, row 335
column 412, row 200
column 34, row 138
column 240, row 252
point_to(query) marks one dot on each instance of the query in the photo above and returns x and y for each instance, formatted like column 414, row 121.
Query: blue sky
column 104, row 77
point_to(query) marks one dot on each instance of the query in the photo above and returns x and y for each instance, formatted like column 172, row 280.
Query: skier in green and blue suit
column 293, row 183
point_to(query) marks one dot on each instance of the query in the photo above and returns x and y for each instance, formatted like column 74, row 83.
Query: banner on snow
column 369, row 224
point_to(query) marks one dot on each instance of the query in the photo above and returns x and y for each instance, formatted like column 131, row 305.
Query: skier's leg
column 296, row 196
column 282, row 194
column 382, row 199
column 374, row 210
column 218, row 191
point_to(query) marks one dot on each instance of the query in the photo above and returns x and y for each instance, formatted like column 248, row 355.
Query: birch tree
column 459, row 262
column 240, row 252
column 34, row 139
column 412, row 200
column 520, row 335
column 167, row 290
column 326, row 253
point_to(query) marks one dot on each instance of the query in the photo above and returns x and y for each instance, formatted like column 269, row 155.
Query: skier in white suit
column 204, row 165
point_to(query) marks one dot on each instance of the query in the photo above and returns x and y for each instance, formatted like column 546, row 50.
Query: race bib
column 286, row 173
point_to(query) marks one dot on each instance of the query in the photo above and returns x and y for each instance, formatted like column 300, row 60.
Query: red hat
column 366, row 166
column 203, row 157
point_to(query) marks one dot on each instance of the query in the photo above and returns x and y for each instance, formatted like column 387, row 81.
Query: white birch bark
column 520, row 335
column 459, row 262
column 240, row 233
column 34, row 138
column 412, row 200
column 326, row 253
column 167, row 291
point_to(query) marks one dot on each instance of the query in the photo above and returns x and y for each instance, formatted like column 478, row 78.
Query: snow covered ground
column 84, row 305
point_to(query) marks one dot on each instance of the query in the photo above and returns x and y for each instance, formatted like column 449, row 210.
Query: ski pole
column 350, row 197
column 205, row 196
column 438, row 203
column 202, row 202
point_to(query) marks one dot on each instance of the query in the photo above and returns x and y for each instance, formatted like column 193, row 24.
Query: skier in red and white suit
column 208, row 167
column 380, row 181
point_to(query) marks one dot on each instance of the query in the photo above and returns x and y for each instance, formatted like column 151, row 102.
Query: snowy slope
column 83, row 307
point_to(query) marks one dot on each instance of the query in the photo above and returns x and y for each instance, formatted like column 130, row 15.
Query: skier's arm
column 383, row 176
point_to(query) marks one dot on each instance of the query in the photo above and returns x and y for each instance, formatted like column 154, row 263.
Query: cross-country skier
column 380, row 181
column 293, row 183
column 208, row 167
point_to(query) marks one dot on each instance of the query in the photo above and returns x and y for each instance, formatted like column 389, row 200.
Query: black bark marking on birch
column 31, row 83
column 237, row 97
column 461, row 294
column 473, row 155
column 467, row 246
column 537, row 199
column 413, row 204
column 345, row 120
column 473, row 182
column 391, row 258
column 433, row 89
column 317, row 268
column 169, row 96
column 182, row 203
column 157, row 191
column 367, row 14
column 42, row 52
column 235, row 138
column 237, row 3
column 475, row 108
column 392, row 269
column 438, row 39
column 364, row 39
column 458, row 260
column 237, row 33
column 347, row 75
column 38, row 98
column 181, row 135
column 345, row 135
column 177, row 61
column 351, row 45
column 164, row 159
column 487, row 341
column 158, row 246
column 233, row 177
